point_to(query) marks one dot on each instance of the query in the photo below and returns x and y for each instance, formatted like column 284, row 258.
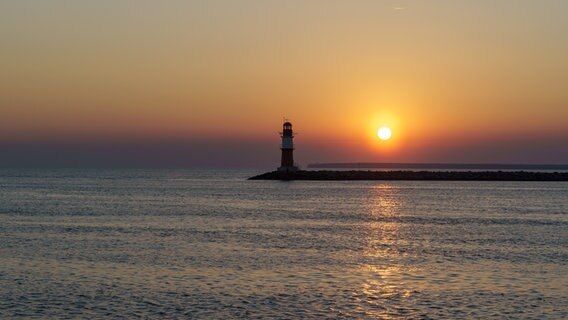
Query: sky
column 132, row 83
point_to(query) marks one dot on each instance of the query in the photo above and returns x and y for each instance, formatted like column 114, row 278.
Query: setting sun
column 384, row 133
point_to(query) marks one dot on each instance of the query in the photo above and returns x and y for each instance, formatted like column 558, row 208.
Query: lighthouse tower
column 287, row 147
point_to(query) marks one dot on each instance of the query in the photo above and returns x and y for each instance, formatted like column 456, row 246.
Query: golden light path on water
column 383, row 281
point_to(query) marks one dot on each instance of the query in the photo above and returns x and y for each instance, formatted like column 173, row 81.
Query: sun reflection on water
column 384, row 201
column 384, row 288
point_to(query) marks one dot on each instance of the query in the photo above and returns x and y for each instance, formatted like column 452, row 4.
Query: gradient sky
column 207, row 83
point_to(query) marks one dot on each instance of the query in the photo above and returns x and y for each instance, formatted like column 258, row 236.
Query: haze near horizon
column 207, row 83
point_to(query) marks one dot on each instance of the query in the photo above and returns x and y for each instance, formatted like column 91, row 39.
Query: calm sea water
column 209, row 244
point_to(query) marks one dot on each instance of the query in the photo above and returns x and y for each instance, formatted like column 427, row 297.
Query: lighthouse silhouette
column 287, row 147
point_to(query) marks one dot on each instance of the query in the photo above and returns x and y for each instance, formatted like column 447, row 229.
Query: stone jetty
column 415, row 175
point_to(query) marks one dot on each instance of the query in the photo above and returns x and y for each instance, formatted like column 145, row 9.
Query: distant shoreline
column 414, row 175
column 460, row 166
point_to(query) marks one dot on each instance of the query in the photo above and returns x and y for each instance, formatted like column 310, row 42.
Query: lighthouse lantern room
column 287, row 147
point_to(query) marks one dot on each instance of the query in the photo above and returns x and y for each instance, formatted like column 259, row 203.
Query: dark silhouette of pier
column 415, row 175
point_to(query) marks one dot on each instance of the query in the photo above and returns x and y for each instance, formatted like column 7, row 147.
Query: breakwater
column 414, row 175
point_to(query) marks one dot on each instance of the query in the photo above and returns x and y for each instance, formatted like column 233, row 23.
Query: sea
column 210, row 244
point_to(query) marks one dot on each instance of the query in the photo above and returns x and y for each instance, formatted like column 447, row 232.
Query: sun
column 384, row 133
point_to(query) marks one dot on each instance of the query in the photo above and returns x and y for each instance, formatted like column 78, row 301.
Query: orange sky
column 441, row 74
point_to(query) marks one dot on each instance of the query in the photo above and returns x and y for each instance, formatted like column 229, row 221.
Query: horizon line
column 441, row 165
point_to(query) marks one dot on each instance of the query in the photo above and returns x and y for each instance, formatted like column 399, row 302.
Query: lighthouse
column 287, row 147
